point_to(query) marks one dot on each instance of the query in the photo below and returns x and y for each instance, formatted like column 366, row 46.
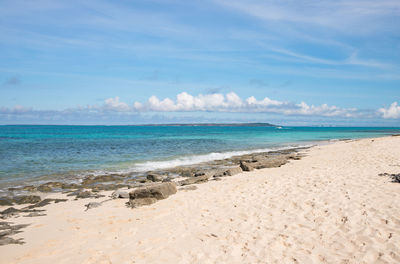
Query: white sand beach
column 329, row 207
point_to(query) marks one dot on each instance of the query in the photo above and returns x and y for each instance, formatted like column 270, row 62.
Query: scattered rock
column 6, row 230
column 103, row 178
column 233, row 171
column 84, row 194
column 194, row 180
column 120, row 194
column 155, row 177
column 150, row 194
column 48, row 186
column 70, row 186
column 92, row 205
column 188, row 188
column 27, row 199
column 245, row 166
column 9, row 212
column 395, row 177
column 44, row 203
column 34, row 214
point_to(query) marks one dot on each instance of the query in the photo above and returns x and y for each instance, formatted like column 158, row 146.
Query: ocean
column 31, row 154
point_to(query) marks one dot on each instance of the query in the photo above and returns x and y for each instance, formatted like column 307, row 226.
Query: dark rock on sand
column 245, row 166
column 92, row 205
column 395, row 177
column 45, row 202
column 7, row 230
column 70, row 186
column 48, row 186
column 188, row 188
column 233, row 171
column 35, row 214
column 9, row 212
column 27, row 199
column 150, row 194
column 194, row 180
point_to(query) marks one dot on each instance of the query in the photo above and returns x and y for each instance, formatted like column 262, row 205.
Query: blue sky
column 116, row 62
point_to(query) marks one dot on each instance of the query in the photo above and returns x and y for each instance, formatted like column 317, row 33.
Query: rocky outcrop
column 27, row 199
column 151, row 194
column 194, row 180
column 102, row 178
column 246, row 166
column 233, row 171
column 155, row 177
column 85, row 194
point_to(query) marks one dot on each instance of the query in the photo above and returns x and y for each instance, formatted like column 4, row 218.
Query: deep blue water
column 48, row 152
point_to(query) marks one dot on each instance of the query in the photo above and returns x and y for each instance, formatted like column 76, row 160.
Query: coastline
column 328, row 205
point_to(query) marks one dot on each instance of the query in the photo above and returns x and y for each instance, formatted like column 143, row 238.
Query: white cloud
column 392, row 112
column 113, row 104
column 231, row 102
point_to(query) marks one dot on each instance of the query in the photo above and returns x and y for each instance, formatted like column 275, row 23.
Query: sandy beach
column 331, row 206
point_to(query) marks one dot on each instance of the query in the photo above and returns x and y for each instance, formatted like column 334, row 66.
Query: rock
column 107, row 187
column 183, row 171
column 155, row 177
column 48, row 186
column 233, row 171
column 394, row 177
column 141, row 202
column 25, row 199
column 188, row 188
column 44, row 203
column 103, row 178
column 85, row 194
column 119, row 194
column 4, row 201
column 9, row 212
column 34, row 214
column 29, row 188
column 92, row 205
column 6, row 230
column 194, row 180
column 150, row 194
column 245, row 166
column 45, row 188
column 272, row 162
column 70, row 186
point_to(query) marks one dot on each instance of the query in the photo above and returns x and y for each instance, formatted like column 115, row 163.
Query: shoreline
column 341, row 177
column 7, row 188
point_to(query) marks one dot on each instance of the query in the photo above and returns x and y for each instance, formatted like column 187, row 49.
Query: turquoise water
column 30, row 153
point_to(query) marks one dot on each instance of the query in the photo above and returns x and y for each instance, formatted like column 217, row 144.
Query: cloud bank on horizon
column 214, row 102
column 330, row 62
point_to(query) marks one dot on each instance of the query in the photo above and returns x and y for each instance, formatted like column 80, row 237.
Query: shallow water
column 34, row 153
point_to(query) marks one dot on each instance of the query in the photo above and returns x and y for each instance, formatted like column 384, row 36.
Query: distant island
column 218, row 124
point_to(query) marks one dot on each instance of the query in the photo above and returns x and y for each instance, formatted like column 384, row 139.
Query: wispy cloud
column 343, row 15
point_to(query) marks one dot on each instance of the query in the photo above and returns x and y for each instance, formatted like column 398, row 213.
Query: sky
column 288, row 62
